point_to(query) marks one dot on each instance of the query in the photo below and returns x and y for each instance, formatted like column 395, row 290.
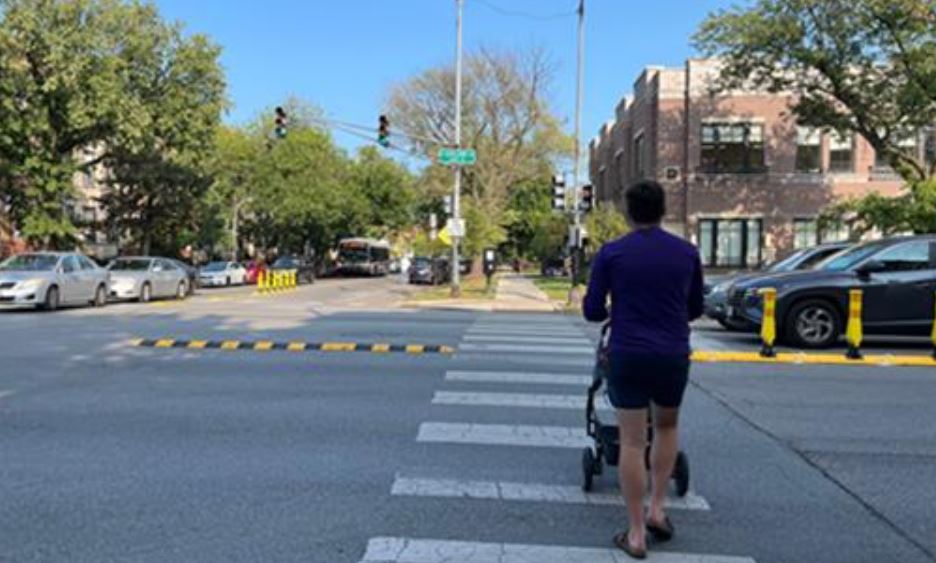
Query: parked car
column 897, row 275
column 395, row 266
column 48, row 280
column 222, row 274
column 716, row 287
column 305, row 269
column 554, row 268
column 432, row 271
column 191, row 272
column 253, row 271
column 144, row 278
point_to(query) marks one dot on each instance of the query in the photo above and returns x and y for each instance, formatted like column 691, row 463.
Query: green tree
column 234, row 180
column 506, row 118
column 386, row 191
column 604, row 225
column 859, row 66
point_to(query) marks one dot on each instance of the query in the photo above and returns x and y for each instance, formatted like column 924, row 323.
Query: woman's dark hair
column 646, row 202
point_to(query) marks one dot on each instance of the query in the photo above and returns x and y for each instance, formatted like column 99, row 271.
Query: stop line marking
column 412, row 550
column 569, row 340
column 519, row 400
column 525, row 492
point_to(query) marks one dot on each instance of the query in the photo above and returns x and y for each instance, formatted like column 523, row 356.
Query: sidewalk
column 514, row 293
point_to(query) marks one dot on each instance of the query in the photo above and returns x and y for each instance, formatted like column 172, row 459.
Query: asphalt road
column 110, row 452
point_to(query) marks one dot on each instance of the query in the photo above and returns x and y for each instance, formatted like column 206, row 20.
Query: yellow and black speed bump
column 267, row 346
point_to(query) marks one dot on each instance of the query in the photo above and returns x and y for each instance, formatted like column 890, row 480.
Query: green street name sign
column 461, row 157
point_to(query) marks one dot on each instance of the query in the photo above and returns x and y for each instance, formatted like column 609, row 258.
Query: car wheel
column 52, row 299
column 146, row 293
column 100, row 297
column 182, row 291
column 813, row 324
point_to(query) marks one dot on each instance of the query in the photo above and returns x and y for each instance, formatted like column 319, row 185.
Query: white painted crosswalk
column 567, row 353
column 525, row 492
column 528, row 378
column 411, row 550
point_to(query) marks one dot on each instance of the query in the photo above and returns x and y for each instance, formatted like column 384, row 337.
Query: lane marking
column 528, row 349
column 164, row 343
column 514, row 400
column 413, row 550
column 518, row 377
column 582, row 341
column 263, row 346
column 503, row 435
column 526, row 492
column 557, row 332
column 5, row 394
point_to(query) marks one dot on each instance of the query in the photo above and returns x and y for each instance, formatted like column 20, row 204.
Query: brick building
column 744, row 182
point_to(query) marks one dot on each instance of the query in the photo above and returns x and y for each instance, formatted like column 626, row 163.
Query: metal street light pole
column 576, row 211
column 456, row 192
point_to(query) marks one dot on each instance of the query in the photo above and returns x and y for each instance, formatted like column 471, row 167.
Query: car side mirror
column 871, row 267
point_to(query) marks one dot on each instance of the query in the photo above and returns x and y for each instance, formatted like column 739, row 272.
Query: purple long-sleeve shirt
column 655, row 283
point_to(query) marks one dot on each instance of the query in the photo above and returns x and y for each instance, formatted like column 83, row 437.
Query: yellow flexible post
column 854, row 332
column 769, row 322
column 292, row 279
column 934, row 331
column 260, row 280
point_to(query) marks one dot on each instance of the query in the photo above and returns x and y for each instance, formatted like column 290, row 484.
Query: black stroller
column 607, row 440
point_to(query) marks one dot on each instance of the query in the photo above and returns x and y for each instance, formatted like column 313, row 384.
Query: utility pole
column 576, row 211
column 456, row 192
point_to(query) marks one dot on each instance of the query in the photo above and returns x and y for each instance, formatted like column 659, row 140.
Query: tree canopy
column 866, row 67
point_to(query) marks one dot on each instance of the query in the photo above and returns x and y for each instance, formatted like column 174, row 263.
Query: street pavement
column 110, row 452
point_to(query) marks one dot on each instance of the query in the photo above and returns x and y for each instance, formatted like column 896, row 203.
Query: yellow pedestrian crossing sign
column 445, row 236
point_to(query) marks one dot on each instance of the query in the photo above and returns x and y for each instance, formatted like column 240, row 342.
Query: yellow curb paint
column 812, row 359
column 415, row 349
column 338, row 347
column 263, row 346
column 164, row 343
column 380, row 348
column 198, row 344
column 296, row 347
column 230, row 345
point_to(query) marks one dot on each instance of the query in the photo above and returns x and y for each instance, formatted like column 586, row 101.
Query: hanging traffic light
column 558, row 193
column 383, row 131
column 280, row 123
column 587, row 202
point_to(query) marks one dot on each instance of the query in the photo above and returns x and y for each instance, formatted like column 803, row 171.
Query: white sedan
column 222, row 274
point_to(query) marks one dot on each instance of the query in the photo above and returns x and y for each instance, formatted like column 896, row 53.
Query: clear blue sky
column 343, row 55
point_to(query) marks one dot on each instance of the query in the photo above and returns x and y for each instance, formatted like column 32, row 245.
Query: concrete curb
column 270, row 346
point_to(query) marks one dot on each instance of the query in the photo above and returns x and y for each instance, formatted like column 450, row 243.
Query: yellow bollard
column 293, row 281
column 854, row 333
column 769, row 322
column 260, row 281
column 279, row 281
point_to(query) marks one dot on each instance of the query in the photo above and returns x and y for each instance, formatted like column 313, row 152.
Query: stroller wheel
column 681, row 474
column 588, row 469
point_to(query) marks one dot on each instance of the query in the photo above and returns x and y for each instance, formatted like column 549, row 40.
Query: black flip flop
column 663, row 531
column 623, row 542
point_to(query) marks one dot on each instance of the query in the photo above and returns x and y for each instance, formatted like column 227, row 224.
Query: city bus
column 363, row 257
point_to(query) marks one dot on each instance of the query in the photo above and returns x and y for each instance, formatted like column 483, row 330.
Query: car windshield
column 131, row 265
column 421, row 262
column 788, row 264
column 215, row 267
column 30, row 263
column 285, row 263
column 848, row 258
column 354, row 255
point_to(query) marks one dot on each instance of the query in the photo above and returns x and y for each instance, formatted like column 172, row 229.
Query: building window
column 841, row 153
column 837, row 232
column 805, row 233
column 808, row 150
column 908, row 144
column 731, row 243
column 733, row 148
column 639, row 164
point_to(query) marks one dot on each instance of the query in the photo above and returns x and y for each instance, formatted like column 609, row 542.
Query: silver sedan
column 144, row 278
column 48, row 280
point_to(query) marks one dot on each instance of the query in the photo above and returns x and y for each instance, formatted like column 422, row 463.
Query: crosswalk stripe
column 581, row 340
column 525, row 492
column 517, row 400
column 413, row 550
column 542, row 331
column 528, row 349
column 503, row 435
column 518, row 377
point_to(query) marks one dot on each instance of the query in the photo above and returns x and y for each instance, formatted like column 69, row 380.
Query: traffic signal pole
column 456, row 191
column 576, row 209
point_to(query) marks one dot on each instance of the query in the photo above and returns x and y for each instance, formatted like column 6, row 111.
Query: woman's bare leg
column 631, row 471
column 662, row 457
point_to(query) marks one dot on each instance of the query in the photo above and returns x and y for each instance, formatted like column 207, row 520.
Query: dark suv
column 305, row 269
column 898, row 277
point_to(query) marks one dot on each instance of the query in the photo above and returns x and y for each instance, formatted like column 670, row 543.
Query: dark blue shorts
column 636, row 380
